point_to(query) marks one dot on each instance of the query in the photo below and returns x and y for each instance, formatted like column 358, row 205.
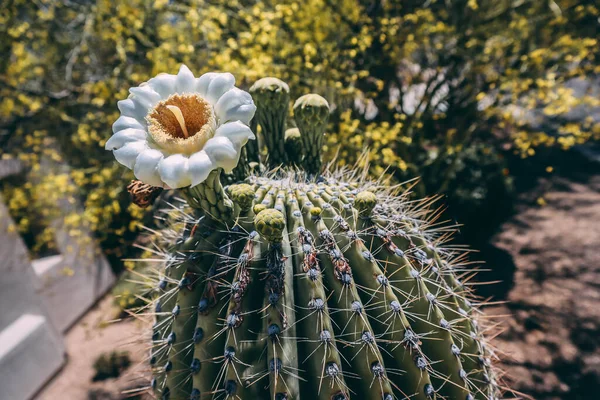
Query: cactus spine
column 312, row 284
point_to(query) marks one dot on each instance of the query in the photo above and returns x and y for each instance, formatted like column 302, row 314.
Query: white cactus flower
column 175, row 129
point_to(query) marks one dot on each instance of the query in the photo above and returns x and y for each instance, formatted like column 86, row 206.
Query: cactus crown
column 311, row 284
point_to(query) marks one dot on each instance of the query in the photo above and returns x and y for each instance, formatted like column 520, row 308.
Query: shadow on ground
column 549, row 261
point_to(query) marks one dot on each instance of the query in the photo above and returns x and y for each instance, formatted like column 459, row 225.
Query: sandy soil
column 94, row 335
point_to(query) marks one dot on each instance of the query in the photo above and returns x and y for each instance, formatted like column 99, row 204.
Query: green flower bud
column 243, row 195
column 293, row 145
column 270, row 224
column 364, row 202
column 258, row 208
column 311, row 113
column 271, row 97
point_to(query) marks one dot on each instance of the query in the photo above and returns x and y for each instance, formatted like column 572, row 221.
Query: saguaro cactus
column 314, row 285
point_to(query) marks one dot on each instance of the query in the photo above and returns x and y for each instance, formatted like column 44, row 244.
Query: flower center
column 182, row 124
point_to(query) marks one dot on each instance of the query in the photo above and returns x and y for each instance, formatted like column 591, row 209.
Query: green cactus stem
column 272, row 97
column 321, row 291
column 313, row 285
column 311, row 113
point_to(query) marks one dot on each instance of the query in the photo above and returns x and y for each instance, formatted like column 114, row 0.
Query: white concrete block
column 72, row 282
column 31, row 349
column 17, row 279
column 41, row 266
column 68, row 295
column 30, row 354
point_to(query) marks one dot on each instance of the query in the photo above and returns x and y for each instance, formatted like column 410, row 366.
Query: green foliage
column 132, row 286
column 421, row 80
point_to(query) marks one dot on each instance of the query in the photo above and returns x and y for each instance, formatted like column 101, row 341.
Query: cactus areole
column 295, row 282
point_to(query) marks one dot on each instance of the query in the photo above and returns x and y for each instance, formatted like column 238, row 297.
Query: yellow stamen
column 179, row 115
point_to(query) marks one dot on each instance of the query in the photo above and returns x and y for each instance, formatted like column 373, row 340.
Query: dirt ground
column 94, row 335
column 552, row 334
column 549, row 258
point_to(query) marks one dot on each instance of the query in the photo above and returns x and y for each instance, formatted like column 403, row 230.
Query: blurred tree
column 437, row 89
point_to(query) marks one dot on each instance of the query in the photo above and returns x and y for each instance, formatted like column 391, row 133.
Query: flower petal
column 124, row 122
column 163, row 84
column 235, row 131
column 235, row 105
column 127, row 154
column 185, row 81
column 145, row 96
column 122, row 137
column 220, row 84
column 174, row 171
column 203, row 82
column 146, row 167
column 200, row 165
column 132, row 109
column 133, row 147
column 223, row 152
